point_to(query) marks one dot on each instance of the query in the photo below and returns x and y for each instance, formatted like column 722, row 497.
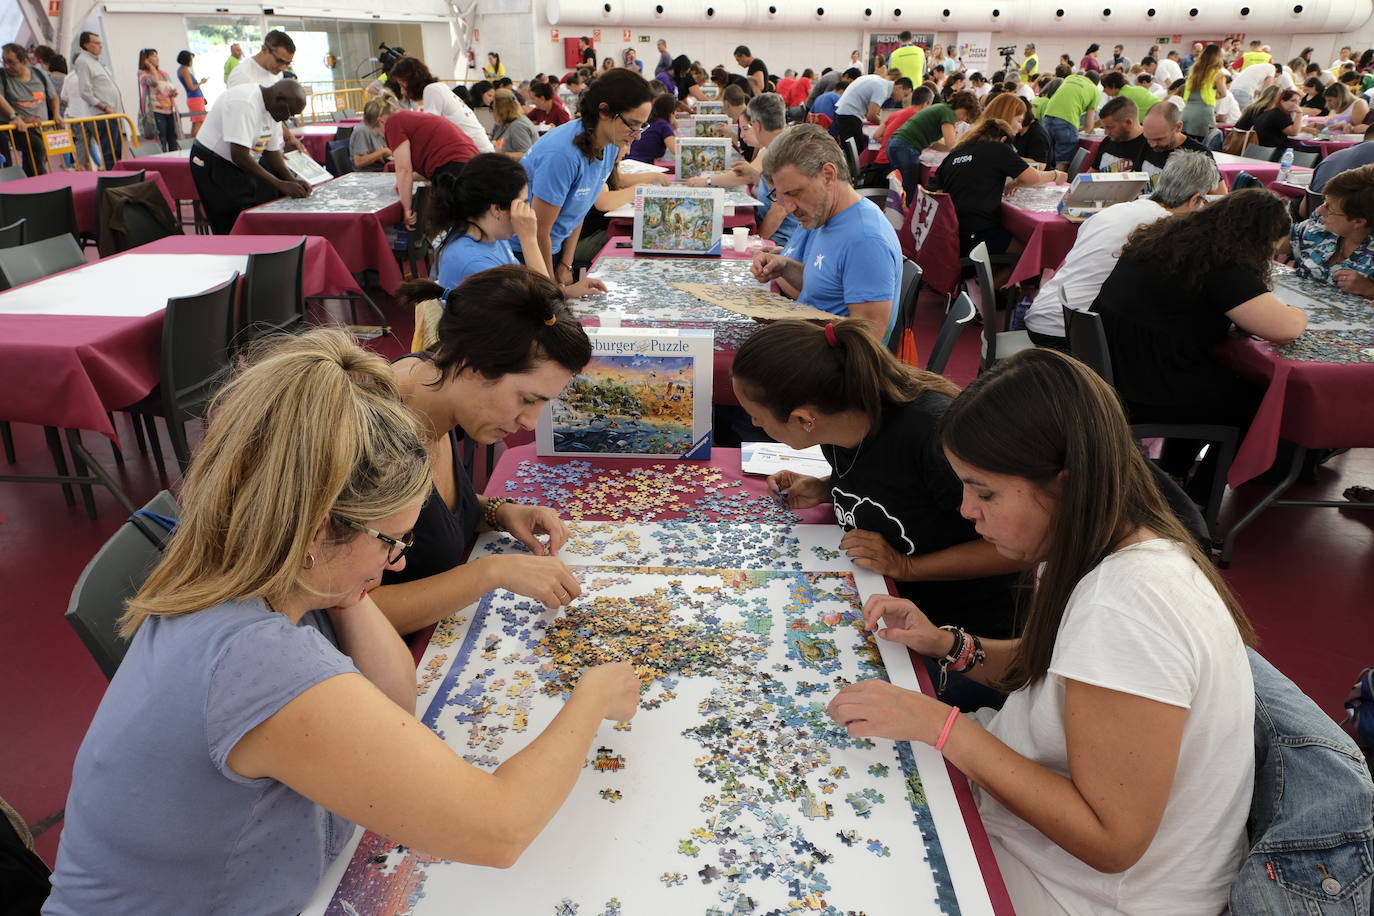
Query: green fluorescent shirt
column 1076, row 96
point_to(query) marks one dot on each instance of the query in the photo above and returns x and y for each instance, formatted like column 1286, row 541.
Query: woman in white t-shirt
column 417, row 84
column 1117, row 778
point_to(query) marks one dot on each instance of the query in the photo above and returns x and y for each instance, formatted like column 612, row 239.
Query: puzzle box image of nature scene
column 678, row 220
column 700, row 156
column 732, row 792
column 646, row 392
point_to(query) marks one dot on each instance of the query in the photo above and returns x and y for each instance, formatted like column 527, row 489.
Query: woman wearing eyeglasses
column 570, row 164
column 507, row 345
column 265, row 704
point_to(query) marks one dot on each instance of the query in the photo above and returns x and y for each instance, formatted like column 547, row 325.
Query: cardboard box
column 678, row 220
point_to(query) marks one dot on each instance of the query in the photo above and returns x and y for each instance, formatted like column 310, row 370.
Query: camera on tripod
column 389, row 55
column 1008, row 52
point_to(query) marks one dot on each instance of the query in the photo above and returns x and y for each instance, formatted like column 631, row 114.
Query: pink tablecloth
column 175, row 172
column 70, row 371
column 1327, row 147
column 1317, row 405
column 1266, row 172
column 359, row 238
column 1045, row 238
column 727, row 461
column 83, row 191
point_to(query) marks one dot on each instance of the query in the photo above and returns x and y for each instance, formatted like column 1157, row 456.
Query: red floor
column 1304, row 576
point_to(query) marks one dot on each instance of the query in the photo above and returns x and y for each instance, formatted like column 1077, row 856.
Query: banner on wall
column 975, row 50
column 882, row 44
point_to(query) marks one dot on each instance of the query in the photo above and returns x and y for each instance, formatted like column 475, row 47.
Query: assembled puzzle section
column 732, row 792
column 678, row 220
column 645, row 393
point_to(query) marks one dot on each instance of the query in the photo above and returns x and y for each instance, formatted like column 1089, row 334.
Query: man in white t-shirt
column 236, row 159
column 1186, row 179
column 1251, row 81
column 1228, row 109
column 1168, row 71
column 265, row 68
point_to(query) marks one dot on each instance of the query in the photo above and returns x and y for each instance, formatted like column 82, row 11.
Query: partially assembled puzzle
column 732, row 792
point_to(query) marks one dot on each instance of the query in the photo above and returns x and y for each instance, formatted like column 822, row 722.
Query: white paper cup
column 741, row 234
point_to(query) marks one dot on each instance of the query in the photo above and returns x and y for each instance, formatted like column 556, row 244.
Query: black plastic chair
column 102, row 210
column 12, row 173
column 195, row 356
column 1255, row 151
column 273, row 297
column 344, row 133
column 851, row 159
column 13, row 234
column 36, row 260
column 338, row 157
column 1245, row 180
column 996, row 344
column 1078, row 164
column 960, row 313
column 906, row 302
column 115, row 574
column 49, row 213
column 413, row 244
column 1306, row 157
column 1088, row 344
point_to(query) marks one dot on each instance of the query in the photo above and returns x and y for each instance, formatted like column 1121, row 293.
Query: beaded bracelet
column 966, row 655
column 489, row 514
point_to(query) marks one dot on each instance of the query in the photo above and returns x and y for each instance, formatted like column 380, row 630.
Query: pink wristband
column 944, row 732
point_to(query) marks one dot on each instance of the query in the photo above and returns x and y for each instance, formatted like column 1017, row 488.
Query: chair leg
column 138, row 434
column 155, row 443
column 7, row 435
column 114, row 445
column 176, row 431
column 59, row 460
column 79, row 466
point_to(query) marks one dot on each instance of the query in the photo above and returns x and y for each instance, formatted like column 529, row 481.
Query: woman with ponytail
column 507, row 345
column 1117, row 777
column 480, row 211
column 893, row 491
column 265, row 705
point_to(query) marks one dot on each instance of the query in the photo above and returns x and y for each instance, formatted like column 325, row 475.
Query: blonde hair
column 377, row 109
column 311, row 431
column 506, row 107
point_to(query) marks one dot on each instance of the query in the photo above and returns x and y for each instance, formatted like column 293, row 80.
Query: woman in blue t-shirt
column 570, row 164
column 481, row 211
column 265, row 704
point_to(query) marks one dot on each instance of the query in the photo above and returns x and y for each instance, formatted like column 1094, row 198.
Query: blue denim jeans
column 1064, row 135
column 907, row 159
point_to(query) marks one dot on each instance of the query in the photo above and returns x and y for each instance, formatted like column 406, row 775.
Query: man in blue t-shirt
column 846, row 260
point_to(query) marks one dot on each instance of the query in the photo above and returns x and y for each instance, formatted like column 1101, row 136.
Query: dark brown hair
column 1354, row 188
column 1240, row 230
column 790, row 364
column 618, row 91
column 1039, row 415
column 414, row 75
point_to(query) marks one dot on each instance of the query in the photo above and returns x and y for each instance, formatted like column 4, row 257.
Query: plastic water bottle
column 1286, row 164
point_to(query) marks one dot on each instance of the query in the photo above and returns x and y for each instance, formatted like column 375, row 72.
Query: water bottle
column 1286, row 164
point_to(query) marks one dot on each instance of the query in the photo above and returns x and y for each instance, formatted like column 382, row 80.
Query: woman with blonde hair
column 514, row 133
column 1206, row 83
column 975, row 174
column 1345, row 112
column 265, row 704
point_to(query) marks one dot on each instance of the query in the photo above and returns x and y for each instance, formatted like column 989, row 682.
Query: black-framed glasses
column 395, row 548
column 634, row 128
column 770, row 197
column 282, row 63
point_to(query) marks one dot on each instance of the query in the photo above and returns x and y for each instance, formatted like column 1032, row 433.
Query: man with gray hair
column 1185, row 181
column 846, row 259
column 766, row 117
column 236, row 159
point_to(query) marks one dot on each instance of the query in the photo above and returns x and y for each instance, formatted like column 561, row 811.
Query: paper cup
column 741, row 234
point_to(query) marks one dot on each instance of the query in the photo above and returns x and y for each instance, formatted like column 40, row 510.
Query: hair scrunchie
column 830, row 337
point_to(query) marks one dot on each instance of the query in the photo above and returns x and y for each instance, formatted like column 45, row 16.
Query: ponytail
column 837, row 368
column 456, row 202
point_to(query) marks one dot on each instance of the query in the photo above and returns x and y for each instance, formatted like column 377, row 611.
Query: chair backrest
column 12, row 173
column 822, row 120
column 851, row 158
column 1088, row 341
column 1306, row 157
column 114, row 574
column 930, row 237
column 894, row 207
column 1314, row 200
column 104, row 183
column 960, row 313
column 417, row 242
column 330, row 163
column 12, row 234
column 906, row 301
column 272, row 292
column 1213, row 139
column 195, row 349
column 1255, row 151
column 36, row 260
column 341, row 160
column 1245, row 180
column 987, row 302
column 49, row 213
column 1078, row 163
column 135, row 214
column 344, row 133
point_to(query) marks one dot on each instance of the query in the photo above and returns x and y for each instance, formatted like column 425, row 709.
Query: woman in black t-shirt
column 1033, row 141
column 1275, row 126
column 1177, row 288
column 892, row 489
column 507, row 345
column 975, row 175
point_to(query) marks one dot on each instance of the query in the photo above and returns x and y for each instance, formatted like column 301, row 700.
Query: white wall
column 126, row 34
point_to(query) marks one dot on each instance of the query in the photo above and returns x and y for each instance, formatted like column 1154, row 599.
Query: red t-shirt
column 890, row 126
column 434, row 141
column 796, row 91
column 556, row 115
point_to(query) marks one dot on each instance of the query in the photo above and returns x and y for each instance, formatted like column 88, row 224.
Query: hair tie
column 551, row 320
column 830, row 337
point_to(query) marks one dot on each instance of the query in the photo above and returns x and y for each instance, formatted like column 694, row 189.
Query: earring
column 309, row 561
